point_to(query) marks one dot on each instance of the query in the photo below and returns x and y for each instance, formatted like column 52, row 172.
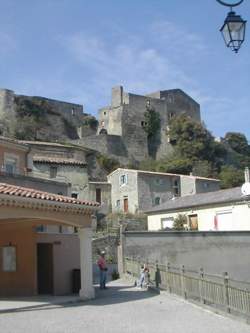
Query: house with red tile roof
column 33, row 261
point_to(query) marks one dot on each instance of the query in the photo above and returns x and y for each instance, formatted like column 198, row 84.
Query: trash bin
column 76, row 281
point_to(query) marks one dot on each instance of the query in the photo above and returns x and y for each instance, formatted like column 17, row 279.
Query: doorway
column 45, row 268
column 125, row 205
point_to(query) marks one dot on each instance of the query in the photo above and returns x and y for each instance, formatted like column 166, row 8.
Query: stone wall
column 37, row 183
column 216, row 252
column 108, row 244
column 151, row 187
column 126, row 117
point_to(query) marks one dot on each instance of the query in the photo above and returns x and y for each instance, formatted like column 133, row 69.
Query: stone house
column 137, row 191
column 222, row 210
column 61, row 163
column 16, row 167
column 33, row 261
column 101, row 193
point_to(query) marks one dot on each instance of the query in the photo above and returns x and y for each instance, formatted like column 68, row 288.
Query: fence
column 218, row 291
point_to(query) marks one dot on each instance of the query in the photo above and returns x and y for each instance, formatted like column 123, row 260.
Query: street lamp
column 234, row 27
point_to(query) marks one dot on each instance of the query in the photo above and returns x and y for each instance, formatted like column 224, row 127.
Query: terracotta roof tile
column 57, row 160
column 24, row 192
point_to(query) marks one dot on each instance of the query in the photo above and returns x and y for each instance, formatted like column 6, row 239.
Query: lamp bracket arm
column 230, row 4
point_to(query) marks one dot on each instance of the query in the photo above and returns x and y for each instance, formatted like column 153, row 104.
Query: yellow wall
column 240, row 216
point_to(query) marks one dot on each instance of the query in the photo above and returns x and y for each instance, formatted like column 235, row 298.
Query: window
column 171, row 115
column 53, row 172
column 74, row 195
column 9, row 258
column 98, row 195
column 157, row 201
column 10, row 166
column 206, row 185
column 118, row 203
column 123, row 179
column 167, row 223
column 159, row 181
column 176, row 188
column 104, row 113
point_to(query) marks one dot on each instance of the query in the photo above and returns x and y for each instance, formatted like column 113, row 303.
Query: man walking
column 103, row 270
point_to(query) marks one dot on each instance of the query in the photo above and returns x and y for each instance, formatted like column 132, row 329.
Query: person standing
column 103, row 270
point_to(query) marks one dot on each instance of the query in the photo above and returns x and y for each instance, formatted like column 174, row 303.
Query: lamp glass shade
column 233, row 31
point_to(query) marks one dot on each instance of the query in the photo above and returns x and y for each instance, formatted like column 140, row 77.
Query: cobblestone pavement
column 121, row 308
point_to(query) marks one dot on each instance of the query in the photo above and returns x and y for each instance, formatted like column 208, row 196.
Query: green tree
column 107, row 163
column 238, row 142
column 231, row 177
column 179, row 222
column 152, row 122
column 191, row 139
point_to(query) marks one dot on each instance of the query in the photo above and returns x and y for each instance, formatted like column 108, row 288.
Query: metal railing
column 217, row 291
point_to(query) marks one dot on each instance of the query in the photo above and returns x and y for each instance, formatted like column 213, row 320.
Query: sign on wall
column 9, row 259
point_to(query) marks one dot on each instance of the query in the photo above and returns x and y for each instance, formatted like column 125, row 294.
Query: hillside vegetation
column 36, row 119
column 197, row 151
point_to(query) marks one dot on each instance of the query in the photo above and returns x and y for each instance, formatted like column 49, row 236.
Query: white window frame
column 123, row 179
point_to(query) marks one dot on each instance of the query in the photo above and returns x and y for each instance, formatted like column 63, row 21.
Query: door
column 45, row 268
column 125, row 205
column 98, row 195
column 193, row 222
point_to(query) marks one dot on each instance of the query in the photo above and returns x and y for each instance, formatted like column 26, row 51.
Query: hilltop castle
column 121, row 126
column 121, row 131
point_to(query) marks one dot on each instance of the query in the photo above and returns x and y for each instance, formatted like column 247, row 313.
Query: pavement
column 120, row 308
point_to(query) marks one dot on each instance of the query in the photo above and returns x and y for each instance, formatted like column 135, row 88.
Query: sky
column 77, row 50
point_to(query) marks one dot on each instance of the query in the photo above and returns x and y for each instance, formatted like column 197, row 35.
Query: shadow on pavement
column 112, row 295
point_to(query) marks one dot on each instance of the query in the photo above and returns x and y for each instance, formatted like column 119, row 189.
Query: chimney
column 247, row 175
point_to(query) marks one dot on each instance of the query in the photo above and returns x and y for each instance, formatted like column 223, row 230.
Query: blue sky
column 76, row 50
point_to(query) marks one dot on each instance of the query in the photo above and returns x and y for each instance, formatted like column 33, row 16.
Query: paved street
column 121, row 308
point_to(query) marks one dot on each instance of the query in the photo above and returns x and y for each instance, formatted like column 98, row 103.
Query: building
column 220, row 210
column 33, row 261
column 138, row 191
column 16, row 168
column 61, row 163
column 121, row 133
column 101, row 193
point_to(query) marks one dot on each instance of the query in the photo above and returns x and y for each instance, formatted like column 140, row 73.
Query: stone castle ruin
column 120, row 130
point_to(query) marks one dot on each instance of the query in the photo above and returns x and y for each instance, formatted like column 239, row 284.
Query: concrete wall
column 216, row 252
column 191, row 185
column 66, row 257
column 239, row 219
column 204, row 185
